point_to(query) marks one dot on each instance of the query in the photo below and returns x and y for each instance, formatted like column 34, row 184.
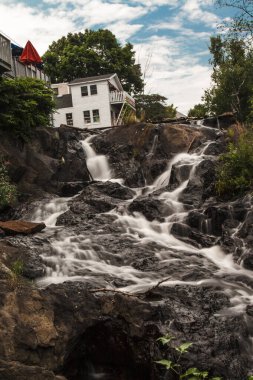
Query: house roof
column 64, row 101
column 91, row 79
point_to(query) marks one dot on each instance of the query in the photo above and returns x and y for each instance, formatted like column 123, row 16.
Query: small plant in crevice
column 17, row 269
column 176, row 367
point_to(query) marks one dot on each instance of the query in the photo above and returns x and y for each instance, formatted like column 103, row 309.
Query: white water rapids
column 84, row 256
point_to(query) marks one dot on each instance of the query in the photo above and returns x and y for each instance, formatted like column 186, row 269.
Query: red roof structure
column 30, row 55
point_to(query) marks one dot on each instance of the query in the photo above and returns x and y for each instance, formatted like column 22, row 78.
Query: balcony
column 121, row 97
column 5, row 54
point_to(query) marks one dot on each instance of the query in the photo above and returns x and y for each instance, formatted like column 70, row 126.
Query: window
column 96, row 117
column 93, row 89
column 86, row 116
column 84, row 91
column 69, row 118
column 56, row 91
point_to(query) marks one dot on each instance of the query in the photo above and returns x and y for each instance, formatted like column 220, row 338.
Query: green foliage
column 199, row 110
column 235, row 169
column 8, row 191
column 183, row 347
column 190, row 373
column 153, row 107
column 250, row 377
column 93, row 53
column 165, row 339
column 25, row 103
column 232, row 89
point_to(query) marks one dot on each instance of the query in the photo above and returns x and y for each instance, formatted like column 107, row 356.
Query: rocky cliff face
column 48, row 163
column 129, row 262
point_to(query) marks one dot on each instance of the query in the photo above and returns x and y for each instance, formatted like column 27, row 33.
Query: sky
column 170, row 37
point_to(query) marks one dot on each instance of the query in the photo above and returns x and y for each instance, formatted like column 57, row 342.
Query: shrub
column 25, row 103
column 235, row 169
column 8, row 191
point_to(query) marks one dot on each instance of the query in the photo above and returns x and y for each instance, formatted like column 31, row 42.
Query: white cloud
column 179, row 77
column 124, row 31
column 22, row 23
column 194, row 10
column 177, row 26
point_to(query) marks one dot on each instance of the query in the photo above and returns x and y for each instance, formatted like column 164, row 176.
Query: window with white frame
column 93, row 89
column 86, row 116
column 84, row 91
column 69, row 118
column 96, row 117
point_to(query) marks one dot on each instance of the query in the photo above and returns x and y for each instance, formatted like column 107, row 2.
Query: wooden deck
column 5, row 54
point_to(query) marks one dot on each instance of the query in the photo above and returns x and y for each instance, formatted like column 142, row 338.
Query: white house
column 92, row 102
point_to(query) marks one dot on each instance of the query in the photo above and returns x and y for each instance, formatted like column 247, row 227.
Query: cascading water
column 97, row 164
column 98, row 256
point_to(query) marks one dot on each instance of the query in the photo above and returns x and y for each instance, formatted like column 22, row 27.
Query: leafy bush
column 235, row 170
column 25, row 103
column 8, row 191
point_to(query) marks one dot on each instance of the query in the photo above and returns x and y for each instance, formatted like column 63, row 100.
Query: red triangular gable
column 30, row 54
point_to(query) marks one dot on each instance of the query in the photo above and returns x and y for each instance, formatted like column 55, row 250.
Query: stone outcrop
column 142, row 151
column 14, row 227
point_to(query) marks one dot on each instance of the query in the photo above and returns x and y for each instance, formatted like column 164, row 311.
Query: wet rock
column 151, row 208
column 191, row 236
column 70, row 189
column 222, row 121
column 97, row 197
column 2, row 233
column 14, row 227
column 247, row 260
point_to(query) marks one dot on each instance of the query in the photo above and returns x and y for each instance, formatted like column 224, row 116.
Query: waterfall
column 97, row 164
column 102, row 253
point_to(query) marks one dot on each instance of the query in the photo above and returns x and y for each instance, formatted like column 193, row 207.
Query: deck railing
column 20, row 70
column 5, row 53
column 121, row 97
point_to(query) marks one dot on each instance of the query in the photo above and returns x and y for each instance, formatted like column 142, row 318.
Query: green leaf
column 220, row 378
column 165, row 339
column 250, row 377
column 166, row 363
column 183, row 347
column 196, row 374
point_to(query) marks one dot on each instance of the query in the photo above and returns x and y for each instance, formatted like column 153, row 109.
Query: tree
column 232, row 78
column 199, row 110
column 153, row 107
column 25, row 103
column 242, row 23
column 93, row 53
